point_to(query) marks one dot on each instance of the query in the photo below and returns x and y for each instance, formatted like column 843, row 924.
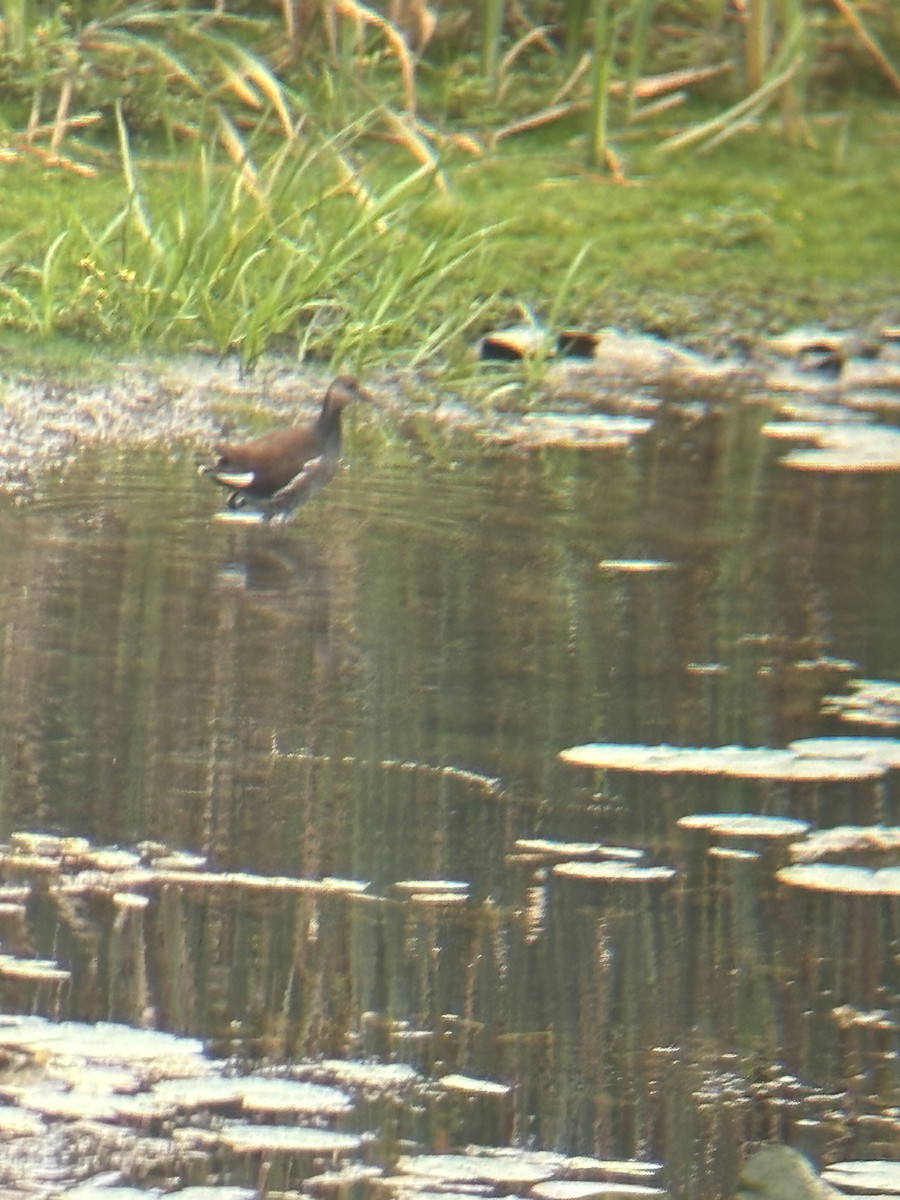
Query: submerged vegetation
column 354, row 182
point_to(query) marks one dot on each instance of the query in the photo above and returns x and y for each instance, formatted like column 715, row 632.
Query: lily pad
column 871, row 702
column 584, row 1189
column 614, row 872
column 213, row 1091
column 635, row 566
column 367, row 1076
column 103, row 1042
column 847, row 839
column 87, row 1104
column 19, row 1122
column 843, row 447
column 106, row 1191
column 885, row 751
column 211, row 1192
column 455, row 886
column 549, row 849
column 474, row 1087
column 583, row 1165
column 37, row 970
column 351, row 1175
column 834, row 877
column 289, row 1095
column 290, row 1139
column 735, row 762
column 521, row 1169
column 745, row 825
column 588, row 431
column 875, row 1176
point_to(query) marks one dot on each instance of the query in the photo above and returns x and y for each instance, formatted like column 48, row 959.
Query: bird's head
column 343, row 391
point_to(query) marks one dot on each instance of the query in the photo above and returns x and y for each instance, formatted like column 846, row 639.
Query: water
column 378, row 692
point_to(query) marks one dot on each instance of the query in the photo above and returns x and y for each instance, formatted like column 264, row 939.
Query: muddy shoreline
column 47, row 422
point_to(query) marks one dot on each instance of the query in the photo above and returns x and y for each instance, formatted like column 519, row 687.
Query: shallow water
column 379, row 692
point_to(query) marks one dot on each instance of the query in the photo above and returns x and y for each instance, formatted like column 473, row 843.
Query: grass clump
column 180, row 176
column 237, row 253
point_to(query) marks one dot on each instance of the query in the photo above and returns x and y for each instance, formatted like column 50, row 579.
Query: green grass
column 753, row 236
column 248, row 198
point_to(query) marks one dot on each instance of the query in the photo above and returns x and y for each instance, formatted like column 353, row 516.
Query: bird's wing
column 312, row 473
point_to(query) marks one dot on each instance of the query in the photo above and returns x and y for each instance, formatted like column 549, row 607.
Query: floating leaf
column 842, row 446
column 104, row 1042
column 474, row 1087
column 577, row 1189
column 872, row 702
column 614, row 872
column 368, row 1076
column 832, row 877
column 547, row 848
column 38, row 970
column 735, row 762
column 741, row 825
column 436, row 886
column 634, row 566
column 291, row 1096
column 884, row 751
column 257, row 1139
column 847, row 839
column 589, row 431
column 515, row 1170
column 875, row 1176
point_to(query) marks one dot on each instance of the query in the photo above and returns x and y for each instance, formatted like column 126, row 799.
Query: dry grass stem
column 847, row 10
column 651, row 86
column 367, row 16
column 545, row 117
column 62, row 112
column 662, row 105
column 237, row 151
column 408, row 136
column 576, row 76
column 736, row 115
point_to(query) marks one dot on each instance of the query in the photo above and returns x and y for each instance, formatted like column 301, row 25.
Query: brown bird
column 279, row 470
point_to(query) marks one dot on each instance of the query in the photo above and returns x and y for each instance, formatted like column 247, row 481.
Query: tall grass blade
column 637, row 51
column 756, row 49
column 577, row 12
column 134, row 198
column 491, row 33
column 237, row 151
column 598, row 133
column 562, row 296
column 48, row 309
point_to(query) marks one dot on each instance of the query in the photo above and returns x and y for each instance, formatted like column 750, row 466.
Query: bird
column 279, row 470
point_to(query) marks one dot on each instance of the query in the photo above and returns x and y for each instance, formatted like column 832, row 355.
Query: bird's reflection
column 275, row 568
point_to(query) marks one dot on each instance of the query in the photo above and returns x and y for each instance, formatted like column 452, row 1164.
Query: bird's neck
column 328, row 425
